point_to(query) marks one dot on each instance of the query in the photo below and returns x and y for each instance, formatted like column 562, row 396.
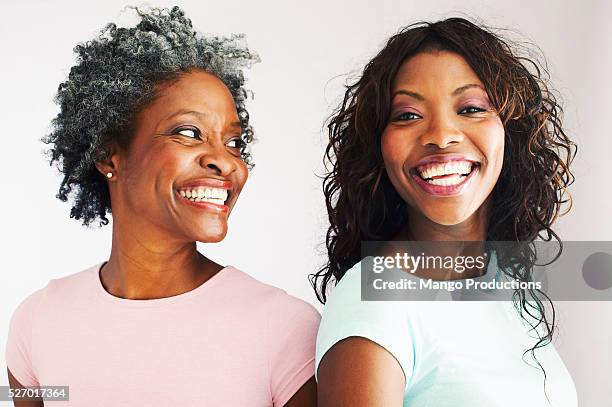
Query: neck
column 419, row 228
column 148, row 264
column 422, row 228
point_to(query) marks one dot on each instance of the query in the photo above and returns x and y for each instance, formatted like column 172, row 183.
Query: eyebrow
column 463, row 88
column 420, row 97
column 185, row 112
column 199, row 115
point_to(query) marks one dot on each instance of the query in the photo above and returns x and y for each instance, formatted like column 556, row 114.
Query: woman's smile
column 206, row 193
column 450, row 183
column 205, row 198
column 444, row 175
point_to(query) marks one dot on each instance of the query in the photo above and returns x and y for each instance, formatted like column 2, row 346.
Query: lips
column 445, row 175
column 204, row 204
column 206, row 193
column 444, row 158
column 206, row 183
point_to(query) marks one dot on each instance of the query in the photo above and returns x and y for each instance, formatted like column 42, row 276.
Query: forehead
column 435, row 70
column 194, row 91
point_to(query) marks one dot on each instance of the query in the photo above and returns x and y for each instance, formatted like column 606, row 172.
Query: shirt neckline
column 215, row 280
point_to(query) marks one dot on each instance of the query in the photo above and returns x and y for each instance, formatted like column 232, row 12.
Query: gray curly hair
column 115, row 75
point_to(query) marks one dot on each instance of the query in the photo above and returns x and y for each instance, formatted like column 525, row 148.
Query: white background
column 307, row 48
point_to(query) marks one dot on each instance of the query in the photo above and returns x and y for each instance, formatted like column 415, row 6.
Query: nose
column 218, row 160
column 442, row 133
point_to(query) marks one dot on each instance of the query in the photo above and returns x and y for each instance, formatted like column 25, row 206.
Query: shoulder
column 27, row 308
column 74, row 288
column 19, row 340
column 28, row 317
column 387, row 323
column 289, row 326
column 62, row 288
column 344, row 302
column 279, row 306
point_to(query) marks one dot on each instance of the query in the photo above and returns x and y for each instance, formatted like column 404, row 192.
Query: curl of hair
column 115, row 75
column 530, row 191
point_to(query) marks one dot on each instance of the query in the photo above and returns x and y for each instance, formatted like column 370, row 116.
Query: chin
column 447, row 218
column 212, row 233
column 210, row 238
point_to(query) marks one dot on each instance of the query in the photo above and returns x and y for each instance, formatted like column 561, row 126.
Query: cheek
column 167, row 163
column 394, row 149
column 158, row 156
column 241, row 175
column 491, row 142
column 154, row 172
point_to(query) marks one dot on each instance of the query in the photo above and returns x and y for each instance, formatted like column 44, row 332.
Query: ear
column 110, row 163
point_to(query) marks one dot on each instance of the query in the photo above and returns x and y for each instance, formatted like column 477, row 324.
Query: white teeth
column 211, row 200
column 452, row 180
column 452, row 167
column 214, row 195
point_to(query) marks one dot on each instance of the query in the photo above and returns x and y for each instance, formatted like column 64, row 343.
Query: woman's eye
column 406, row 116
column 473, row 109
column 236, row 143
column 188, row 131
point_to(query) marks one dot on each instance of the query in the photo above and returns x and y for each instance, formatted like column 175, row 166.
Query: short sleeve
column 19, row 343
column 383, row 322
column 293, row 336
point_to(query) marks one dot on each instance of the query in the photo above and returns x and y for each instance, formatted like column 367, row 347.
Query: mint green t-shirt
column 452, row 353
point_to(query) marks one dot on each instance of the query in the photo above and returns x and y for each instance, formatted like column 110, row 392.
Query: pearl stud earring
column 109, row 175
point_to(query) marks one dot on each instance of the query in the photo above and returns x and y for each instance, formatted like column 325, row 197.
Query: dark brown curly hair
column 362, row 203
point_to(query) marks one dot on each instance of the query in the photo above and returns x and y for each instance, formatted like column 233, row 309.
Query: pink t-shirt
column 232, row 341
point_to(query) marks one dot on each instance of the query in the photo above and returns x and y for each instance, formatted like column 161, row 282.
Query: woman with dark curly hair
column 448, row 135
column 153, row 128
